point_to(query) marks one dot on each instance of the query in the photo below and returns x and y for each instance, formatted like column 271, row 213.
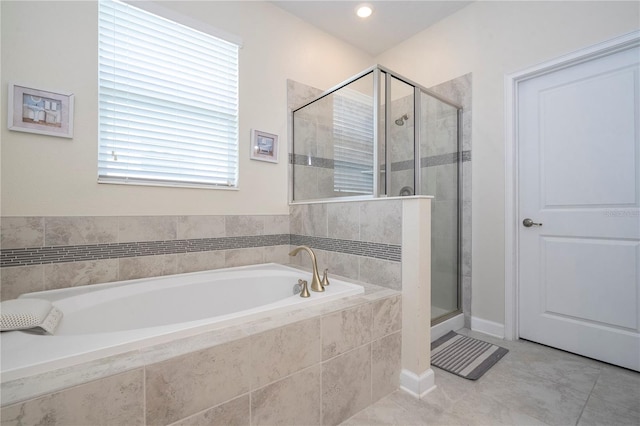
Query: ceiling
column 391, row 22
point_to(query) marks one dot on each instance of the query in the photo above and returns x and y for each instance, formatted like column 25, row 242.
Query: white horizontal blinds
column 353, row 141
column 168, row 100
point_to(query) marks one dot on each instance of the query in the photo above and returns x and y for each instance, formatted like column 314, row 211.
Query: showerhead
column 400, row 121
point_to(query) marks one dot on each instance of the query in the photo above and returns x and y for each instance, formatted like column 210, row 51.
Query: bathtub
column 106, row 319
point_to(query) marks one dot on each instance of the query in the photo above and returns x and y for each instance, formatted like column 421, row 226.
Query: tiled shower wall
column 43, row 253
column 401, row 149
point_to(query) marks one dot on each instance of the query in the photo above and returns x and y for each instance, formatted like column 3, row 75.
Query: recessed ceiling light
column 364, row 11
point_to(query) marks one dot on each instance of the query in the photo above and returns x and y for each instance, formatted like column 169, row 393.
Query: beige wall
column 491, row 39
column 53, row 45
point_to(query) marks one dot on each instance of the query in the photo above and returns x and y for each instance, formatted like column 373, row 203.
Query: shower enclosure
column 381, row 135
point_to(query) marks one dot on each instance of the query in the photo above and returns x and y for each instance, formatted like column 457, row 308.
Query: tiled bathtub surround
column 315, row 366
column 360, row 248
column 62, row 254
column 334, row 230
column 41, row 253
column 44, row 253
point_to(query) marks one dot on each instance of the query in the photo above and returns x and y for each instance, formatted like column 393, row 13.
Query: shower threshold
column 452, row 323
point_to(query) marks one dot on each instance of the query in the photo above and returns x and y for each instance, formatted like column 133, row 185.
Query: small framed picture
column 40, row 111
column 264, row 146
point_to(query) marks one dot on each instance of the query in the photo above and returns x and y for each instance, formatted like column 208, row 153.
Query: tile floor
column 531, row 385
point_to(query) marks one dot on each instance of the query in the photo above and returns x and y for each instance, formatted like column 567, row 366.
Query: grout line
column 252, row 375
column 250, row 406
column 213, row 407
column 589, row 396
column 144, row 394
column 321, row 370
column 370, row 371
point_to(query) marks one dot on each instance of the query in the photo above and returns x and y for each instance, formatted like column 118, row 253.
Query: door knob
column 529, row 223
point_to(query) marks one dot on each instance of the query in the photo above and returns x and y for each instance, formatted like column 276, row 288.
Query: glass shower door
column 333, row 144
column 439, row 166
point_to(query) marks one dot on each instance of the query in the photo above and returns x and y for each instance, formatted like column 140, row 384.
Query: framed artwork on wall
column 264, row 146
column 40, row 111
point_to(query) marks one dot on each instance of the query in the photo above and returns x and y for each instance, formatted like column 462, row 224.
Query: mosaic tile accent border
column 308, row 160
column 442, row 159
column 62, row 254
column 382, row 251
column 434, row 160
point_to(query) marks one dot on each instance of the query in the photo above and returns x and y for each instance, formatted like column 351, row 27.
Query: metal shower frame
column 383, row 76
column 378, row 81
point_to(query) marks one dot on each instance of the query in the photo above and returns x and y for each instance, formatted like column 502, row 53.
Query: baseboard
column 417, row 386
column 491, row 328
column 452, row 324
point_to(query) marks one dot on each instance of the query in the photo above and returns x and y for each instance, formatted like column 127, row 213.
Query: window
column 353, row 142
column 168, row 102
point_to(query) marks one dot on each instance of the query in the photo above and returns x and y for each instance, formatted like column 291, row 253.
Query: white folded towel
column 26, row 314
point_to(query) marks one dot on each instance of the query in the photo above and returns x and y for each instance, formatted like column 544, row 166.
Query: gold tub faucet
column 316, row 284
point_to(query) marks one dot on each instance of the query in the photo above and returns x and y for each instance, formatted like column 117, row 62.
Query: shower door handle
column 528, row 223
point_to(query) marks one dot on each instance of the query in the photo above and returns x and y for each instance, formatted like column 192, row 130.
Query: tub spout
column 316, row 284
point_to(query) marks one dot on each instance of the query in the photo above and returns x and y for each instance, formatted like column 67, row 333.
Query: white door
column 579, row 177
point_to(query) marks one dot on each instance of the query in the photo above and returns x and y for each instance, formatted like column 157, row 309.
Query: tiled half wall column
column 394, row 236
column 44, row 253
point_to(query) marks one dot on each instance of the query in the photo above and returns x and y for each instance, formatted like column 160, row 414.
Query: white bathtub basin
column 105, row 319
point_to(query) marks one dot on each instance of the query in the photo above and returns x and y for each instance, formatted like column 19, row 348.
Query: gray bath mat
column 464, row 356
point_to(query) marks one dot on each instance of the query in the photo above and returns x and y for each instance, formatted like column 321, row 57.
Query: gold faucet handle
column 325, row 278
column 304, row 290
